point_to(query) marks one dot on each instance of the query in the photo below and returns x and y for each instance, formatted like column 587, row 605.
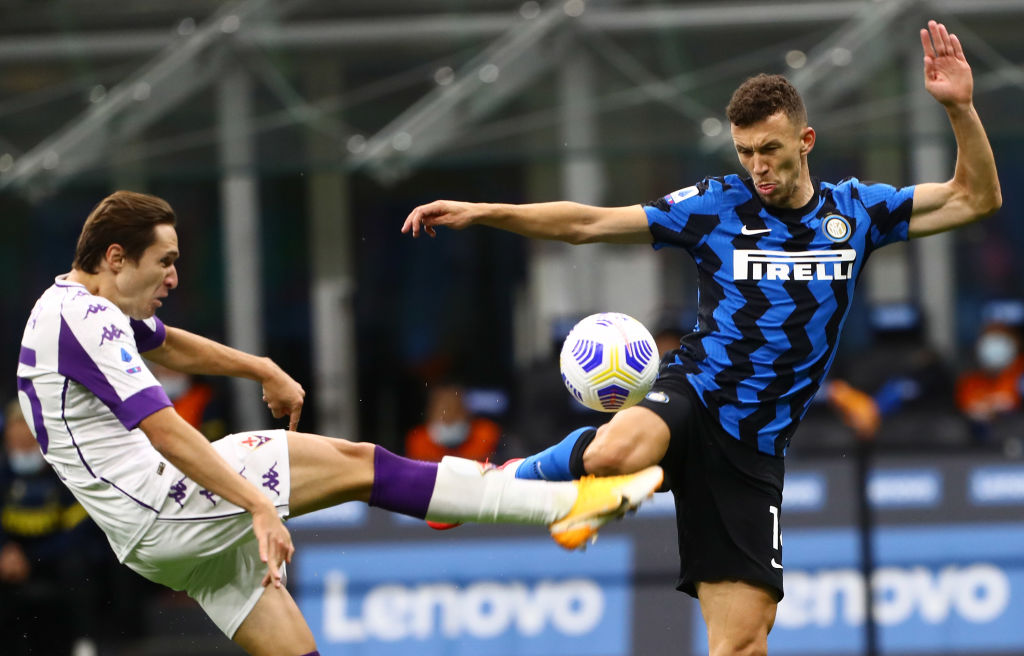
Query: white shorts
column 204, row 545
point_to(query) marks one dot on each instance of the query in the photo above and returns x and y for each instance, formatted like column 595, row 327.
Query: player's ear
column 114, row 257
column 807, row 137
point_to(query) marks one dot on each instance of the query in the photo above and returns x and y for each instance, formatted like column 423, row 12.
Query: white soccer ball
column 609, row 361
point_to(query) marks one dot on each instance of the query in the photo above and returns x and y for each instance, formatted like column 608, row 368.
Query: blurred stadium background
column 293, row 137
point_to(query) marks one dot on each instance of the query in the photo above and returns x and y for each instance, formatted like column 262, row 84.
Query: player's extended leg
column 326, row 471
column 738, row 615
column 634, row 438
column 275, row 627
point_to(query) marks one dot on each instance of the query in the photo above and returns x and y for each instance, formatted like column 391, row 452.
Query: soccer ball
column 609, row 361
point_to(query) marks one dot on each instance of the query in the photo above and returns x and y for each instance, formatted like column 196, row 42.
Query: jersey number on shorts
column 776, row 534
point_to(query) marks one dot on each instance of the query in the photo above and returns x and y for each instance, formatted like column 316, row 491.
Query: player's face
column 774, row 153
column 142, row 284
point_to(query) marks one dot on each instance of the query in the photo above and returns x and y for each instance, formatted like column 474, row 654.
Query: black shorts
column 728, row 496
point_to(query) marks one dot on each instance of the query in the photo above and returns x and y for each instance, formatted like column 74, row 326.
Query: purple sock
column 312, row 653
column 400, row 484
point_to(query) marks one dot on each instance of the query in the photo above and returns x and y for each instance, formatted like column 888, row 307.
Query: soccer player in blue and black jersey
column 778, row 254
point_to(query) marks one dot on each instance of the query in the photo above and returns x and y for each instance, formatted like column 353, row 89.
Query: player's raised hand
column 447, row 213
column 284, row 396
column 947, row 75
column 275, row 543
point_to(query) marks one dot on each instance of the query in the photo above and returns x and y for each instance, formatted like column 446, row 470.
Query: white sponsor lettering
column 890, row 489
column 803, row 492
column 798, row 265
column 978, row 593
column 485, row 609
column 997, row 486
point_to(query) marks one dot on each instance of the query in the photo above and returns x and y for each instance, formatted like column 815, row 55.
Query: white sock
column 462, row 493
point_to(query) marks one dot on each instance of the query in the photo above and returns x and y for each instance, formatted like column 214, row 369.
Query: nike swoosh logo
column 747, row 231
column 775, row 564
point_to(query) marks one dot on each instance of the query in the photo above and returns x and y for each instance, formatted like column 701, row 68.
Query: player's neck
column 804, row 192
column 91, row 281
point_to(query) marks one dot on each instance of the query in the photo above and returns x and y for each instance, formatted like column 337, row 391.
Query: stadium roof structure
column 422, row 80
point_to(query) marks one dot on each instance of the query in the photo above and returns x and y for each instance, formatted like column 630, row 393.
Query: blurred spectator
column 449, row 429
column 856, row 408
column 196, row 401
column 50, row 554
column 991, row 392
column 897, row 390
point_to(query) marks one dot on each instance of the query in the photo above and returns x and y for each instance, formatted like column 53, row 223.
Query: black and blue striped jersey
column 775, row 287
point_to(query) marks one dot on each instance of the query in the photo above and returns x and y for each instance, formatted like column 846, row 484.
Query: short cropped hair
column 127, row 218
column 763, row 96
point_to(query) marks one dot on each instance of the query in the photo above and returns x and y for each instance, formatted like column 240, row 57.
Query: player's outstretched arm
column 974, row 192
column 563, row 221
column 191, row 353
column 188, row 450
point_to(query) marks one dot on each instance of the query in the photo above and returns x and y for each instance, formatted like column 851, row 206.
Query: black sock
column 576, row 457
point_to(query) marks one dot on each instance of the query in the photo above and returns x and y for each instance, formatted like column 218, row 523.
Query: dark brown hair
column 127, row 218
column 762, row 96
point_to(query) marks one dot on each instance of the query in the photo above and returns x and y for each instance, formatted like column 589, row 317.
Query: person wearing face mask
column 993, row 390
column 449, row 429
column 48, row 546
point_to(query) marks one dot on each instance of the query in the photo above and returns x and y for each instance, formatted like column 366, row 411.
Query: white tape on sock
column 465, row 491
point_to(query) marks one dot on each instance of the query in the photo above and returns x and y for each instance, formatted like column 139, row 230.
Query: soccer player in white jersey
column 207, row 518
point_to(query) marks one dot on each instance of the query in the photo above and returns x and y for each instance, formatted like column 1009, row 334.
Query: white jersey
column 84, row 389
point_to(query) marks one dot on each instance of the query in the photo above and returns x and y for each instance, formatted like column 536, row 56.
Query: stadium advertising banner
column 951, row 589
column 468, row 597
column 948, row 548
column 949, row 562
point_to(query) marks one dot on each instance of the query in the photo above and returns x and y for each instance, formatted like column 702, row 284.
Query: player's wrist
column 960, row 109
column 267, row 370
column 261, row 506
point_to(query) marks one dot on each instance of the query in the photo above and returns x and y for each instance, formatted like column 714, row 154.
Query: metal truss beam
column 447, row 111
column 128, row 108
column 858, row 48
column 417, row 31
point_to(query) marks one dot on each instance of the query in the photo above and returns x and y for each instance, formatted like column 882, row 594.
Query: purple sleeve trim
column 140, row 405
column 147, row 339
column 74, row 362
column 27, row 356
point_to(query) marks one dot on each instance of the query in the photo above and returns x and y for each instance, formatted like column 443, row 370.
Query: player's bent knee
column 613, row 451
column 741, row 645
column 746, row 639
